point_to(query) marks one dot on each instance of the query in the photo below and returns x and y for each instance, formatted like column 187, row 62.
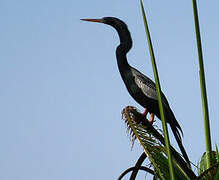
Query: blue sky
column 61, row 94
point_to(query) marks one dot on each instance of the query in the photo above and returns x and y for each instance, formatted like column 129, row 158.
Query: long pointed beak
column 93, row 20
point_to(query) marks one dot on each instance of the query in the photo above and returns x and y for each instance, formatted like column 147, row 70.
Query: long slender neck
column 125, row 38
column 123, row 48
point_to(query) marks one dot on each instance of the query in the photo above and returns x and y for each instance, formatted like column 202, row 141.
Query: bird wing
column 148, row 87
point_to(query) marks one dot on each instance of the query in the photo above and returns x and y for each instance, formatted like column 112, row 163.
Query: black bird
column 139, row 86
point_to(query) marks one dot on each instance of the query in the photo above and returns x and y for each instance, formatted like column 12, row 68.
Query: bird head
column 121, row 28
column 112, row 21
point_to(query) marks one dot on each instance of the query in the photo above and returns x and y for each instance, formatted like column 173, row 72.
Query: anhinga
column 139, row 86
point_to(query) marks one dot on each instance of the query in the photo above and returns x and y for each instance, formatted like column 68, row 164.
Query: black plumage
column 139, row 86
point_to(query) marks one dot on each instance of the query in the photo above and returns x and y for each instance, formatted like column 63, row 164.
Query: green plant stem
column 167, row 141
column 203, row 87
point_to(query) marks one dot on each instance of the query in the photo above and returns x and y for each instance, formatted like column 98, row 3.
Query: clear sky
column 61, row 94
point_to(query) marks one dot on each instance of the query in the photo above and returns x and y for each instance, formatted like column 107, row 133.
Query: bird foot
column 151, row 120
column 137, row 116
column 141, row 117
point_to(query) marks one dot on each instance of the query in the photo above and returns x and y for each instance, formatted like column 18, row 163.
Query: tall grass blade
column 164, row 124
column 203, row 87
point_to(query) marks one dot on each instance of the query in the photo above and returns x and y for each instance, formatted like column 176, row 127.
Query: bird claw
column 140, row 117
column 137, row 116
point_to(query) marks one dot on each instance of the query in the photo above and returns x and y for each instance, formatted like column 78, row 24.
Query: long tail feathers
column 179, row 142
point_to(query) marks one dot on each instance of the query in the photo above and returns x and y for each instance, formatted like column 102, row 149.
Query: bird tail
column 175, row 130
